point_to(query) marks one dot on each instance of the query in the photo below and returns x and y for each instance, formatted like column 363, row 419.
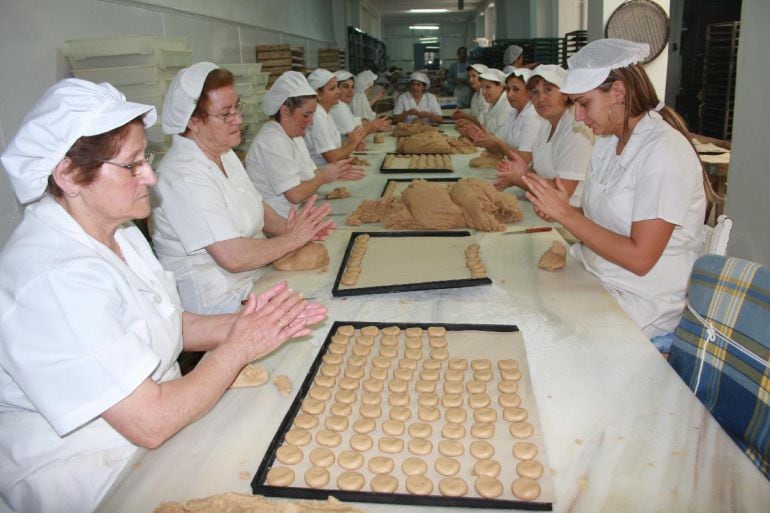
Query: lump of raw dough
column 338, row 193
column 462, row 145
column 252, row 375
column 378, row 139
column 407, row 129
column 484, row 207
column 374, row 211
column 283, row 384
column 356, row 161
column 241, row 503
column 425, row 142
column 310, row 256
column 555, row 258
column 428, row 206
column 486, row 160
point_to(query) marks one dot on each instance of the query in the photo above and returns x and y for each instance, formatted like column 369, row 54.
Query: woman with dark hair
column 417, row 103
column 92, row 324
column 644, row 199
column 208, row 220
column 457, row 79
column 278, row 161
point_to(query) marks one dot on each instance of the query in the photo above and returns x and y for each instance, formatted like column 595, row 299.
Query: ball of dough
column 405, row 374
column 389, row 352
column 298, row 437
column 346, row 330
column 379, row 373
column 361, row 442
column 530, row 468
column 428, row 413
column 439, row 354
column 365, row 340
column 306, row 421
column 427, row 399
column 481, row 400
column 384, row 484
column 476, row 387
column 453, row 431
column 447, row 466
column 317, row 477
column 484, row 415
column 345, row 396
column 391, row 330
column 371, row 398
column 488, row 487
column 429, row 375
column 507, row 364
column 521, row 429
column 313, row 406
column 451, row 400
column 414, row 466
column 512, row 374
column 438, row 343
column 324, row 381
column 420, row 430
column 526, row 489
column 419, row 485
column 455, row 415
column 483, row 430
column 401, row 413
column 332, row 358
column 451, row 448
column 370, row 411
column 357, row 361
column 393, row 427
column 350, row 481
column 425, row 386
column 514, row 414
column 341, row 409
column 420, row 446
column 280, row 476
column 482, row 450
column 481, row 364
column 413, row 343
column 373, row 385
column 289, row 454
column 483, row 375
column 436, row 331
column 322, row 457
column 350, row 460
column 524, row 450
column 398, row 385
column 432, row 364
column 507, row 386
column 312, row 255
column 457, row 364
column 453, row 387
column 328, row 438
column 398, row 399
column 413, row 331
column 336, row 423
column 454, row 375
column 452, row 487
column 509, row 400
column 381, row 465
column 488, row 468
column 370, row 331
column 390, row 445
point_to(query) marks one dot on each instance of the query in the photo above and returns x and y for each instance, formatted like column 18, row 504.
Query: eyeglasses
column 228, row 117
column 135, row 168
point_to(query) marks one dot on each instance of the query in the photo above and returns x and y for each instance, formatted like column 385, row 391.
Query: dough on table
column 483, row 430
column 373, row 385
column 378, row 139
column 436, row 331
column 312, row 406
column 242, row 503
column 455, row 415
column 328, row 438
column 384, row 484
column 483, row 207
column 337, row 193
column 357, row 161
column 428, row 413
column 481, row 400
column 341, row 409
column 481, row 364
column 453, row 431
column 391, row 330
column 252, row 375
column 451, row 448
column 319, row 393
column 349, row 383
column 336, row 423
column 453, row 387
column 507, row 364
column 525, row 488
column 346, row 330
column 345, row 396
column 451, row 400
column 488, row 487
column 452, row 487
column 371, row 398
column 390, row 444
column 509, row 400
column 483, row 375
column 401, row 413
column 393, row 427
column 280, row 476
column 486, row 160
column 310, row 256
column 457, row 364
column 370, row 331
column 399, row 398
column 317, row 477
column 306, row 421
column 484, row 415
column 555, row 258
column 507, row 386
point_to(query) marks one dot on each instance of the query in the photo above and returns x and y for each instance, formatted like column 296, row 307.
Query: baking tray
column 469, row 351
column 392, row 170
column 410, row 180
column 339, row 290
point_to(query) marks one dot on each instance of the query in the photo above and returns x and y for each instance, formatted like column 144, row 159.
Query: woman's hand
column 551, row 202
column 270, row 319
column 361, row 146
column 357, row 135
column 458, row 115
column 381, row 124
column 309, row 224
column 340, row 170
column 510, row 170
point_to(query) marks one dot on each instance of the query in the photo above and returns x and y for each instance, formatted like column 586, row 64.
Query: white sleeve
column 433, row 105
column 319, row 138
column 529, row 129
column 573, row 155
column 274, row 162
column 400, row 106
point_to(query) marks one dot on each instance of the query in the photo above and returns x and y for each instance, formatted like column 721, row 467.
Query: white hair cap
column 182, row 96
column 420, row 77
column 365, row 80
column 478, row 67
column 70, row 109
column 342, row 75
column 319, row 78
column 522, row 73
column 493, row 74
column 289, row 85
column 592, row 64
column 512, row 53
column 552, row 73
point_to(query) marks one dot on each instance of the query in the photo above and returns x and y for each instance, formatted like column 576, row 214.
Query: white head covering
column 493, row 74
column 420, row 77
column 552, row 73
column 592, row 64
column 365, row 80
column 182, row 96
column 512, row 53
column 319, row 78
column 70, row 109
column 342, row 75
column 480, row 68
column 289, row 85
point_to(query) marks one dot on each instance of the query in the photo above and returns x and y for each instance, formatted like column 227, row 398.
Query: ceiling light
column 428, row 10
column 428, row 40
column 423, row 27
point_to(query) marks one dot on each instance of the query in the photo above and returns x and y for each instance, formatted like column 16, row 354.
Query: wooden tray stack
column 332, row 59
column 276, row 59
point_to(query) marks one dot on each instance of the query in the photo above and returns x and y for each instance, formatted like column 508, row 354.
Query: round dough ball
column 346, row 330
column 414, row 466
column 420, row 446
column 312, row 406
column 436, row 331
column 370, row 331
column 289, row 454
column 482, row 450
column 521, row 429
column 345, row 396
column 507, row 364
column 336, row 423
column 414, row 331
column 371, row 398
column 398, row 385
column 381, row 465
column 476, row 387
column 530, row 468
column 420, row 430
column 481, row 364
column 451, row 400
column 324, row 381
column 427, row 399
column 452, row 487
column 341, row 409
column 398, row 399
column 317, row 477
column 481, row 400
column 455, row 415
column 361, row 442
column 457, row 364
column 487, row 468
column 428, row 413
column 484, row 415
column 454, row 375
column 488, row 487
column 370, row 411
column 373, row 385
column 390, row 445
column 388, row 352
column 379, row 373
column 424, row 386
column 354, row 372
column 483, row 375
column 413, row 354
column 507, row 386
column 432, row 364
column 438, row 343
column 453, row 387
column 328, row 438
column 524, row 450
column 513, row 374
column 350, row 460
column 419, row 485
column 306, row 421
column 332, row 358
column 350, row 481
column 361, row 350
column 509, row 400
column 451, row 448
column 401, row 413
column 382, row 362
column 413, row 343
column 447, row 466
column 349, row 383
column 337, row 348
column 483, row 430
column 280, row 476
column 405, row 374
column 357, row 361
column 389, row 340
column 514, row 414
column 439, row 353
column 393, row 427
column 407, row 363
column 429, row 375
column 453, row 431
column 298, row 437
column 384, row 484
column 321, row 457
column 391, row 330
column 525, row 489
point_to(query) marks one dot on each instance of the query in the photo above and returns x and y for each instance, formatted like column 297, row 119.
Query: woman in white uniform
column 479, row 105
column 361, row 104
column 644, row 199
column 278, row 162
column 342, row 114
column 208, row 220
column 417, row 103
column 91, row 324
column 493, row 89
column 562, row 148
column 323, row 140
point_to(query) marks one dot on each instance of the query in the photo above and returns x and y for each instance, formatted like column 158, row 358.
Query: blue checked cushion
column 733, row 295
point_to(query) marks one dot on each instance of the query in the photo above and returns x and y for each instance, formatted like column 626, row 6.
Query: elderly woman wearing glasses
column 208, row 220
column 91, row 324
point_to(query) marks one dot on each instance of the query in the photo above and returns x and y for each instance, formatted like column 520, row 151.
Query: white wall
column 572, row 15
column 32, row 35
column 399, row 40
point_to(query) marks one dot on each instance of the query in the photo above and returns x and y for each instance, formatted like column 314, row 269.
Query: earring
column 72, row 194
column 609, row 115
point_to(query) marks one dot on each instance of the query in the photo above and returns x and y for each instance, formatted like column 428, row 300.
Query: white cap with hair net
column 478, row 67
column 418, row 76
column 493, row 74
column 289, row 85
column 512, row 53
column 319, row 78
column 592, row 64
column 552, row 73
column 522, row 73
column 70, row 109
column 342, row 75
column 182, row 96
column 365, row 80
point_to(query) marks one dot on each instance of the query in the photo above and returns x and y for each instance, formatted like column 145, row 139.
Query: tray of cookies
column 384, row 262
column 397, row 185
column 417, row 163
column 414, row 413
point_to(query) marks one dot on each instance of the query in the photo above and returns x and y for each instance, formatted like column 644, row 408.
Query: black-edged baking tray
column 450, row 179
column 259, row 484
column 403, row 287
column 392, row 170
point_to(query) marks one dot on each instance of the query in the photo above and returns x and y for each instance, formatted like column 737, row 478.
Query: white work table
column 622, row 431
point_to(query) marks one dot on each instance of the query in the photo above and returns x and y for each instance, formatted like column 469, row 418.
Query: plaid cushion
column 733, row 295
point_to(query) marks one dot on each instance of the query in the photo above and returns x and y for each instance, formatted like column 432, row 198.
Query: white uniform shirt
column 80, row 330
column 194, row 206
column 497, row 115
column 360, row 107
column 566, row 154
column 343, row 118
column 479, row 106
column 428, row 103
column 322, row 136
column 276, row 163
column 522, row 129
column 658, row 176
